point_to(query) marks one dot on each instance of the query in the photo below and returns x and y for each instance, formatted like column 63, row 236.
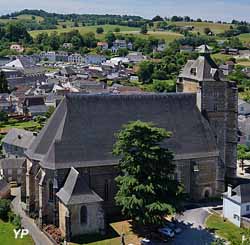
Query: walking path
column 39, row 237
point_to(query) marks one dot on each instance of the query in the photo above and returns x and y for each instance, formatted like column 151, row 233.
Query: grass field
column 15, row 124
column 29, row 17
column 223, row 229
column 7, row 236
column 199, row 26
column 168, row 36
column 245, row 38
column 86, row 29
column 22, row 17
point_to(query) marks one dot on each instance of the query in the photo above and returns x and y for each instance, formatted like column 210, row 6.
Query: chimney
column 229, row 190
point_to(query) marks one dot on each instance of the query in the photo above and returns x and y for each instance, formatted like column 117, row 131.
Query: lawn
column 7, row 236
column 16, row 124
column 113, row 237
column 199, row 26
column 223, row 57
column 245, row 37
column 223, row 229
column 29, row 17
column 86, row 29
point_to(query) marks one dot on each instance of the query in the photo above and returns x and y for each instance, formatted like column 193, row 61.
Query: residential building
column 92, row 59
column 243, row 107
column 103, row 45
column 236, row 204
column 76, row 58
column 32, row 106
column 17, row 47
column 67, row 45
column 11, row 169
column 16, row 142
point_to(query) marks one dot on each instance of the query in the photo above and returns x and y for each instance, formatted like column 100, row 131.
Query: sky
column 225, row 10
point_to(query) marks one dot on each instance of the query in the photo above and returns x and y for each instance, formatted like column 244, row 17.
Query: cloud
column 213, row 9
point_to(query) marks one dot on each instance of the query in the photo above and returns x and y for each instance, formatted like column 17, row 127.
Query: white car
column 166, row 232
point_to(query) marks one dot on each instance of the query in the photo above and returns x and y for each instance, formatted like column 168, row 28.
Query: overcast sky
column 208, row 9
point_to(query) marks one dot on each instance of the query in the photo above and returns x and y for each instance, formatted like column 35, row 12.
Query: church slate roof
column 76, row 190
column 202, row 69
column 82, row 130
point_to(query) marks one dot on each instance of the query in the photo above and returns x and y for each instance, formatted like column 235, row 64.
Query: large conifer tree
column 147, row 189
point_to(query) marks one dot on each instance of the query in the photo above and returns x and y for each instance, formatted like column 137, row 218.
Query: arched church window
column 51, row 191
column 83, row 215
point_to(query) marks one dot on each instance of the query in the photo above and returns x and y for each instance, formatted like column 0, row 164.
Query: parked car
column 166, row 231
column 174, row 227
column 146, row 241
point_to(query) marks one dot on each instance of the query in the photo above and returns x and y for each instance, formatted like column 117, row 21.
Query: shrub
column 4, row 209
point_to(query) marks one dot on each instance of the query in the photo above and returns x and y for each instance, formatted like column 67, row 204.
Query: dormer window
column 193, row 71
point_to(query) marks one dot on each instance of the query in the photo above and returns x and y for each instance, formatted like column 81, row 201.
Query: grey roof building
column 16, row 142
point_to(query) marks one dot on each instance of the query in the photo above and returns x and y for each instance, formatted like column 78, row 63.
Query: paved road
column 194, row 232
column 38, row 237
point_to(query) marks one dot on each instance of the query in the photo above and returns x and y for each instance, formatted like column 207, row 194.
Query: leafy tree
column 110, row 38
column 54, row 41
column 207, row 30
column 117, row 29
column 99, row 30
column 146, row 69
column 4, row 209
column 157, row 18
column 76, row 24
column 122, row 52
column 144, row 30
column 147, row 190
column 17, row 221
column 50, row 111
column 243, row 154
column 3, row 117
column 4, row 88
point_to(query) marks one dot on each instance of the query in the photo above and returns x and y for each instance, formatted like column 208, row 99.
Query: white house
column 75, row 58
column 103, row 45
column 236, row 203
column 17, row 47
column 94, row 59
column 243, row 107
column 67, row 45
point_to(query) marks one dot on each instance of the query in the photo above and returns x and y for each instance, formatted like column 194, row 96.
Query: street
column 194, row 232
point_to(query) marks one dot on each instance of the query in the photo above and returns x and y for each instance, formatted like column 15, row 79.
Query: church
column 70, row 169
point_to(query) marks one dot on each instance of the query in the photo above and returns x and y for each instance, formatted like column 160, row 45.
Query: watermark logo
column 21, row 233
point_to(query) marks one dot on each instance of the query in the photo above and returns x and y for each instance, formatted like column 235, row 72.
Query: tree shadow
column 90, row 238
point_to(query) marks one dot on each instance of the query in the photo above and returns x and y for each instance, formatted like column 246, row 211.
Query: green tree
column 146, row 69
column 110, row 38
column 54, row 41
column 243, row 154
column 3, row 117
column 207, row 30
column 4, row 87
column 147, row 190
column 144, row 30
column 50, row 111
column 122, row 52
column 117, row 29
column 4, row 209
column 99, row 30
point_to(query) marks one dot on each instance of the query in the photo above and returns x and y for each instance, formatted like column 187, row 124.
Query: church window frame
column 51, row 191
column 83, row 215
